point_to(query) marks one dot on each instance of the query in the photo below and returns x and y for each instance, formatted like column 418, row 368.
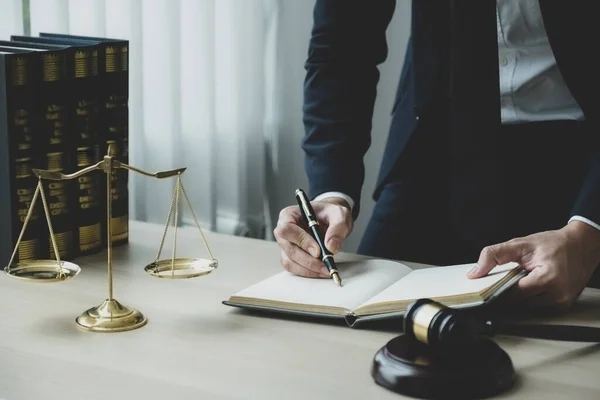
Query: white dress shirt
column 531, row 86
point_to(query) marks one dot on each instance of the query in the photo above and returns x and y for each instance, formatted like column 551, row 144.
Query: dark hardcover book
column 114, row 75
column 17, row 156
column 54, row 152
column 83, row 132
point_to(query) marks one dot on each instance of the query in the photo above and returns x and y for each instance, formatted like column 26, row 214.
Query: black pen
column 313, row 226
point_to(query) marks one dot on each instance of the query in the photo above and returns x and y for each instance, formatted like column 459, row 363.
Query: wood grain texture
column 194, row 347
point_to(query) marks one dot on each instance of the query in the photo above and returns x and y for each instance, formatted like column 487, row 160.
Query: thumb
column 497, row 254
column 339, row 226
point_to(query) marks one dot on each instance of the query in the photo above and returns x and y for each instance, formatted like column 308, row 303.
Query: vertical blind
column 11, row 18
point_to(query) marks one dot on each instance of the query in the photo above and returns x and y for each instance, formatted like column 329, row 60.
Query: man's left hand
column 560, row 263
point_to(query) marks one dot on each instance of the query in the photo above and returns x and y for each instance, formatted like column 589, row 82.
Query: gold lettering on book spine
column 21, row 125
column 111, row 59
column 58, row 205
column 55, row 115
column 120, row 228
column 51, row 67
column 25, row 197
column 24, row 193
column 124, row 58
column 113, row 148
column 88, row 185
column 94, row 62
column 28, row 248
column 84, row 157
column 120, row 224
column 90, row 237
column 64, row 241
column 23, row 169
column 55, row 161
column 19, row 71
column 115, row 193
column 82, row 64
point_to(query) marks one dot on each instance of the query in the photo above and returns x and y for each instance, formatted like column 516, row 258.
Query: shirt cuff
column 587, row 221
column 326, row 195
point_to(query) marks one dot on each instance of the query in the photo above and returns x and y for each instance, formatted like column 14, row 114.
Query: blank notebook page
column 361, row 280
column 440, row 282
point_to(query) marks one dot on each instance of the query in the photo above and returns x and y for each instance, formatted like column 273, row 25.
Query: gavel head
column 434, row 324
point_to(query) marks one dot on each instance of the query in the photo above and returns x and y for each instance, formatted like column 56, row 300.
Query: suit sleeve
column 588, row 201
column 346, row 46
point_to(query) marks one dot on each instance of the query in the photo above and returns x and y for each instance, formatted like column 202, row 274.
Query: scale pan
column 181, row 268
column 44, row 271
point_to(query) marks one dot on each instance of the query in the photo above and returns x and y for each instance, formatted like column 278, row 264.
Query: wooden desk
column 193, row 347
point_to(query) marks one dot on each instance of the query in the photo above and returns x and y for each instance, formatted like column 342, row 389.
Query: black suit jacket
column 348, row 43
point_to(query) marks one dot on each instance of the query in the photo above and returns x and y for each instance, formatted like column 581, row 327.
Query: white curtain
column 11, row 18
column 203, row 94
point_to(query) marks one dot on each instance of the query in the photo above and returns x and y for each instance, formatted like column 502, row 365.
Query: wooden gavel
column 434, row 324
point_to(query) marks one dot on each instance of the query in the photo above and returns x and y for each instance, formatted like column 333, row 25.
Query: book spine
column 84, row 132
column 116, row 116
column 17, row 157
column 57, row 152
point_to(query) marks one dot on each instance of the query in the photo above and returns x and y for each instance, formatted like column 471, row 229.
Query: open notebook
column 374, row 289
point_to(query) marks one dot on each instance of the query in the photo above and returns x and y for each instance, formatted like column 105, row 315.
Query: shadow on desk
column 582, row 312
column 524, row 372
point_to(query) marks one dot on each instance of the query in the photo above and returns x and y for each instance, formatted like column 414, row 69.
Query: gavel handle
column 568, row 333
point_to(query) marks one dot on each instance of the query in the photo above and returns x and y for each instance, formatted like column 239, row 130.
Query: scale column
column 109, row 227
column 110, row 316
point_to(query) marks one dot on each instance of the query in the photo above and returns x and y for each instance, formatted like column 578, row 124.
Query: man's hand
column 300, row 253
column 560, row 263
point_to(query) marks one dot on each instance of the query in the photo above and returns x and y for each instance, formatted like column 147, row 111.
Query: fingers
column 301, row 270
column 339, row 225
column 288, row 230
column 531, row 285
column 300, row 253
column 536, row 291
column 299, row 250
column 498, row 254
column 298, row 256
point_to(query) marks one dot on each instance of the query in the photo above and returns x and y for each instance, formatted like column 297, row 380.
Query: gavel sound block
column 440, row 355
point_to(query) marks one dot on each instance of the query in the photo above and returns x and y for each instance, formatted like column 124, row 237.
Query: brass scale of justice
column 111, row 315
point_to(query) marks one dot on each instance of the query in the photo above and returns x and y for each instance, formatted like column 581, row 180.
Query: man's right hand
column 300, row 253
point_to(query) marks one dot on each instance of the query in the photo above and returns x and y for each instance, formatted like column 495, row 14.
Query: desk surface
column 193, row 347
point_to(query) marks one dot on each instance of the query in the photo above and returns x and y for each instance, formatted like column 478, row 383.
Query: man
column 493, row 152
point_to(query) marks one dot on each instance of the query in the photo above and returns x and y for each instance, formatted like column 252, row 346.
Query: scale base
column 111, row 316
column 411, row 368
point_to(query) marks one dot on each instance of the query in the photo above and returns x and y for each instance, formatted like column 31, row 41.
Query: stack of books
column 63, row 102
